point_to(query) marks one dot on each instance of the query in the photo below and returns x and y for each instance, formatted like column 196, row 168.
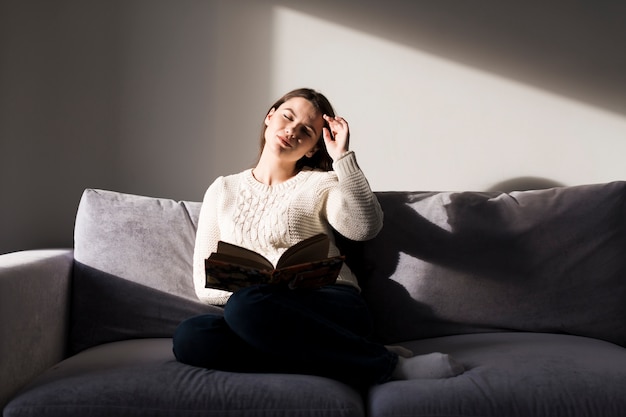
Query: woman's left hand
column 337, row 138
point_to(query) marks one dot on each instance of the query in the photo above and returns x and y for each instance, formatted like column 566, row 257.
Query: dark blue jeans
column 269, row 328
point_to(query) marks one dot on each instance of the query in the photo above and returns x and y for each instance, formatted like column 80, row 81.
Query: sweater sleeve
column 352, row 209
column 207, row 236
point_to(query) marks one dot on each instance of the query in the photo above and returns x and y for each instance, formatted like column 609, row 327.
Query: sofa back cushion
column 133, row 273
column 445, row 263
column 464, row 262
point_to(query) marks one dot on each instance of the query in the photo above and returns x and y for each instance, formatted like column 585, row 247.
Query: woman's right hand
column 336, row 137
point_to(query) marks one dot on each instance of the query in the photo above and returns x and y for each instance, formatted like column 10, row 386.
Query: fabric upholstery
column 34, row 306
column 142, row 378
column 513, row 375
column 132, row 272
column 526, row 289
column 141, row 239
column 463, row 262
column 107, row 308
column 444, row 263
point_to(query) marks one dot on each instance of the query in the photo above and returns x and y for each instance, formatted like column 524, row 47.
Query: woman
column 305, row 182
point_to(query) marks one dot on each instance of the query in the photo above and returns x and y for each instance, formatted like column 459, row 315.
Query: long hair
column 321, row 159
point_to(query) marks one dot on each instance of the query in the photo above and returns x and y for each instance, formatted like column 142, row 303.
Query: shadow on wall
column 555, row 48
column 523, row 184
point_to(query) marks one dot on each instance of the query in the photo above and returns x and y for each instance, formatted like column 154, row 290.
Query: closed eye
column 308, row 130
column 305, row 129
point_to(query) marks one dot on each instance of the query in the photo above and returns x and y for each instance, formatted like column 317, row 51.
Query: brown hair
column 321, row 159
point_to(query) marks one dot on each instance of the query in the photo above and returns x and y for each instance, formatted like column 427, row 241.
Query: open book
column 304, row 265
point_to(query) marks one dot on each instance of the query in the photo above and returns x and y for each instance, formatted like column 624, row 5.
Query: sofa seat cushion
column 513, row 374
column 142, row 378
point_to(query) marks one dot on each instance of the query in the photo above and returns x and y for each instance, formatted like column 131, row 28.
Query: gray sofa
column 527, row 289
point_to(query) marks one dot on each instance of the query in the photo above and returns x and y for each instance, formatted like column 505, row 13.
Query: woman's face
column 293, row 129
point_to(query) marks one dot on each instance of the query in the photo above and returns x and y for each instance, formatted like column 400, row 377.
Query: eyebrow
column 310, row 127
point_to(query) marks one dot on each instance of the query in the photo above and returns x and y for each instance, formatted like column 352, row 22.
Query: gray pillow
column 465, row 262
column 133, row 268
column 142, row 239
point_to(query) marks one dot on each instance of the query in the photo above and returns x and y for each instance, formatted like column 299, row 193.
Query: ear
column 269, row 116
column 310, row 153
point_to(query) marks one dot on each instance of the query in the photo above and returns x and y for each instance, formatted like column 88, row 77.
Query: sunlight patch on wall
column 420, row 122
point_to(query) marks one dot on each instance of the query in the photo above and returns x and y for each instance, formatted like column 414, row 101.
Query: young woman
column 305, row 182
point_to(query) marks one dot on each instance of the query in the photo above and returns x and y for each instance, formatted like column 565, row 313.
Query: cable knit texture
column 269, row 219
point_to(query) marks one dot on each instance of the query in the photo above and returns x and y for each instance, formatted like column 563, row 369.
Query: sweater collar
column 285, row 185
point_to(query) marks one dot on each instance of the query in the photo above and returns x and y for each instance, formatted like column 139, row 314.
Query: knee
column 183, row 339
column 193, row 339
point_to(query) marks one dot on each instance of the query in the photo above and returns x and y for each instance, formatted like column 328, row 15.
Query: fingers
column 334, row 118
column 327, row 135
column 336, row 136
column 336, row 123
column 337, row 126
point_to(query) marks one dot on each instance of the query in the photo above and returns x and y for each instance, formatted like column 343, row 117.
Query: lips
column 284, row 142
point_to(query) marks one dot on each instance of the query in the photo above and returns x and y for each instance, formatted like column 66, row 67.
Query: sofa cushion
column 513, row 374
column 464, row 262
column 107, row 308
column 133, row 274
column 142, row 239
column 142, row 378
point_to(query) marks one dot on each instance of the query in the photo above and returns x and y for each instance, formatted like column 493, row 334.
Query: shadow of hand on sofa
column 466, row 262
column 415, row 266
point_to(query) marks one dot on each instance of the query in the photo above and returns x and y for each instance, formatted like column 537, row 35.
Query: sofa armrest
column 34, row 306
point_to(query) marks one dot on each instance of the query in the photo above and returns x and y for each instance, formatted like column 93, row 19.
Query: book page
column 312, row 249
column 247, row 257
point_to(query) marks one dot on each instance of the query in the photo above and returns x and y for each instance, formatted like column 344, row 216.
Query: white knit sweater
column 269, row 219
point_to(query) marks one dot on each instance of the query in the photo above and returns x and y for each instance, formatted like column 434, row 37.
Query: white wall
column 424, row 122
column 159, row 97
